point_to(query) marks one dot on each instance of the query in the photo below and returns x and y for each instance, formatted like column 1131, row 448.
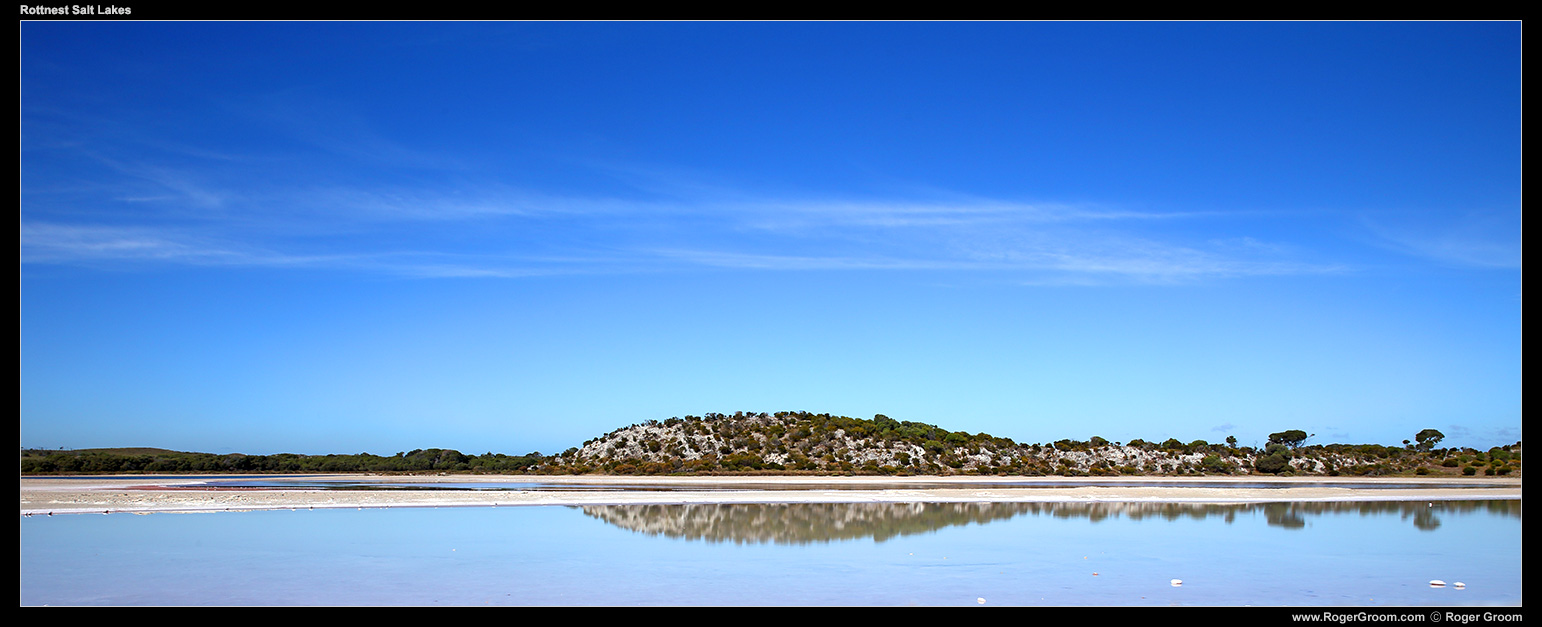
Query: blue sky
column 332, row 237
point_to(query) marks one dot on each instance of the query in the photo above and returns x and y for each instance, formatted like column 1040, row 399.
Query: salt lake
column 1379, row 553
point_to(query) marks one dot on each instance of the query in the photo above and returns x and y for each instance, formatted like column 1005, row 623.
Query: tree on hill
column 1292, row 438
column 1428, row 438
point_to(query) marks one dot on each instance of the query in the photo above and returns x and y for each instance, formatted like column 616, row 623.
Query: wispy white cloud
column 62, row 243
column 1472, row 239
column 337, row 128
column 511, row 268
column 968, row 213
column 1159, row 262
column 171, row 186
column 192, row 211
column 468, row 203
column 503, row 232
column 97, row 245
column 444, row 218
column 770, row 261
column 1506, row 434
column 1058, row 244
column 1063, row 263
column 45, row 243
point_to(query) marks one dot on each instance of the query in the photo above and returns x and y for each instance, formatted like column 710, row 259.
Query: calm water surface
column 1361, row 554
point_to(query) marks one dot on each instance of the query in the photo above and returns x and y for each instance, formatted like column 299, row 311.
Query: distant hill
column 802, row 442
column 37, row 452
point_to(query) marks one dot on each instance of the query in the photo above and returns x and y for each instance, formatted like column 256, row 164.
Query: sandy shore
column 144, row 494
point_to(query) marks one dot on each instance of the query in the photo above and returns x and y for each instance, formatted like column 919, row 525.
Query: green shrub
column 1273, row 464
column 1214, row 464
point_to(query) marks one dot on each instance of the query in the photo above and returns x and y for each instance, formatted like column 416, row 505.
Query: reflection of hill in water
column 799, row 523
column 804, row 523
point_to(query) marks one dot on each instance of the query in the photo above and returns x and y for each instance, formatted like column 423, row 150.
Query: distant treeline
column 803, row 442
column 38, row 461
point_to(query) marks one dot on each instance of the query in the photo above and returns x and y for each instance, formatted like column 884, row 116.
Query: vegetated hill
column 805, row 443
column 802, row 442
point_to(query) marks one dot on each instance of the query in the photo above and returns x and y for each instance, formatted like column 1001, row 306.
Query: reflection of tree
column 1425, row 519
column 1284, row 515
column 803, row 523
column 1507, row 508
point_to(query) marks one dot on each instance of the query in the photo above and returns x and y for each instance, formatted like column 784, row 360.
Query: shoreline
column 144, row 494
